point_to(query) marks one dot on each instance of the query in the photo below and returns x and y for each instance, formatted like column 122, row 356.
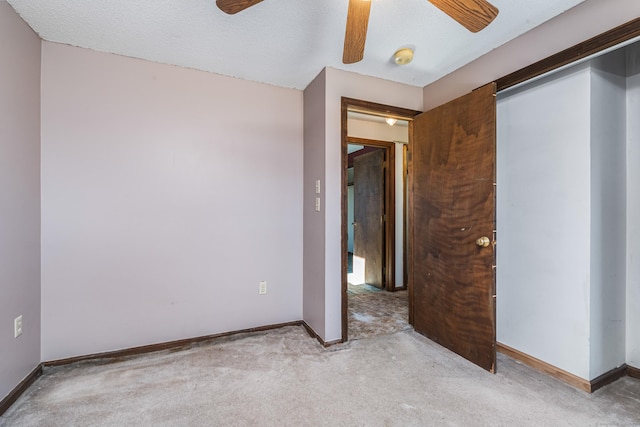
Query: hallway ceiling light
column 390, row 121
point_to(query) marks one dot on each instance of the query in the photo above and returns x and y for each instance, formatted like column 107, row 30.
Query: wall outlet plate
column 262, row 289
column 17, row 326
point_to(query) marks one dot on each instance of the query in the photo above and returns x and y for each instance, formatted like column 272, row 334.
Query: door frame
column 389, row 243
column 380, row 110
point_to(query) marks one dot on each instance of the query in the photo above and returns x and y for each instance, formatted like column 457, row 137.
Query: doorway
column 451, row 153
column 374, row 218
column 371, row 222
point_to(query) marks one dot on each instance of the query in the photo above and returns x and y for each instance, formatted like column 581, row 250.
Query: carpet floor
column 377, row 313
column 285, row 378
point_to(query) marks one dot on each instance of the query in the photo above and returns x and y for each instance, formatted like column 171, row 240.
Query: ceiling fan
column 474, row 15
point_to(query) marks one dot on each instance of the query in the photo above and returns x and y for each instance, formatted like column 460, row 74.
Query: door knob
column 483, row 242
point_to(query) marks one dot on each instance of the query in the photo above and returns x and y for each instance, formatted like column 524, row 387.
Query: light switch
column 317, row 186
column 317, row 204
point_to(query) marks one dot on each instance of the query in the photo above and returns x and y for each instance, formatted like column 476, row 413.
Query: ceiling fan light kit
column 474, row 15
column 403, row 56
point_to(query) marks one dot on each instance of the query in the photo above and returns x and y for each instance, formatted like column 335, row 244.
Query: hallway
column 374, row 312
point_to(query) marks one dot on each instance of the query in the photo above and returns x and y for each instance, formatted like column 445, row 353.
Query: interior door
column 368, row 213
column 453, row 198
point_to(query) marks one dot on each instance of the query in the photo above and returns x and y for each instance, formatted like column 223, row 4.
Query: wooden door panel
column 453, row 168
column 368, row 209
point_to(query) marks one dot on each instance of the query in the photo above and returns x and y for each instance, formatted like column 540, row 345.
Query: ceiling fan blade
column 356, row 33
column 235, row 6
column 474, row 15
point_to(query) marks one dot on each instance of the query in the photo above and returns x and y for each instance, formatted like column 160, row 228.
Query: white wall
column 19, row 198
column 543, row 221
column 633, row 207
column 562, row 218
column 379, row 131
column 608, row 213
column 400, row 214
column 167, row 195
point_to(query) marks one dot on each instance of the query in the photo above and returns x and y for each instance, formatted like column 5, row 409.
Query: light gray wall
column 633, row 207
column 562, row 288
column 608, row 213
column 19, row 198
column 168, row 195
column 543, row 220
column 314, row 222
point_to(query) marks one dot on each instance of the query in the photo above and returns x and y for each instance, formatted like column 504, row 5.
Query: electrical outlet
column 17, row 326
column 262, row 289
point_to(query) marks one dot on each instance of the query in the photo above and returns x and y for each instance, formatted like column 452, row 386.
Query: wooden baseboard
column 562, row 375
column 539, row 365
column 313, row 334
column 608, row 378
column 112, row 356
column 20, row 388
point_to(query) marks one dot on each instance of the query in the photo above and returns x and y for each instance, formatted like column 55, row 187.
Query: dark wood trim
column 539, row 365
column 607, row 378
column 573, row 380
column 114, row 356
column 20, row 388
column 374, row 108
column 579, row 51
column 313, row 334
column 633, row 372
column 380, row 109
column 345, row 102
column 118, row 355
column 370, row 142
column 389, row 205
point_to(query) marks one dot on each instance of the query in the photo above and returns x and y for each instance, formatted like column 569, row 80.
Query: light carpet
column 285, row 378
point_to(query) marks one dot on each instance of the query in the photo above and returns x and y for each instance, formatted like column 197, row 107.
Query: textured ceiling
column 281, row 42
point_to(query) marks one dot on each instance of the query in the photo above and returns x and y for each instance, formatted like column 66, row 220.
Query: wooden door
column 453, row 202
column 368, row 212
